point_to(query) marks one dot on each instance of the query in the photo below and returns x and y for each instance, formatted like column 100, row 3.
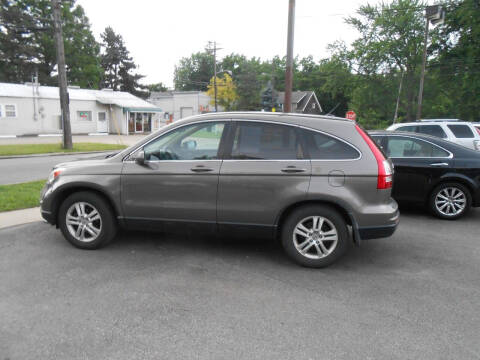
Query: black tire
column 436, row 212
column 108, row 227
column 304, row 212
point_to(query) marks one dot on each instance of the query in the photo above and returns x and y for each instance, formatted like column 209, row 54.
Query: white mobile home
column 27, row 109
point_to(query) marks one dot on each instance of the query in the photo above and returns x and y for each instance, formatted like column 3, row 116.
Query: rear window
column 325, row 147
column 461, row 131
column 433, row 130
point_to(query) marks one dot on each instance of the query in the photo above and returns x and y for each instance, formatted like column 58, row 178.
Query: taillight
column 476, row 143
column 385, row 173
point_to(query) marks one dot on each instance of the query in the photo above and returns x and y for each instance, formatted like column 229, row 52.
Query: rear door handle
column 292, row 169
column 201, row 169
column 439, row 164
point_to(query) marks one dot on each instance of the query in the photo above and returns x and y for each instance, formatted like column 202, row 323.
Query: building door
column 102, row 123
column 138, row 123
column 185, row 112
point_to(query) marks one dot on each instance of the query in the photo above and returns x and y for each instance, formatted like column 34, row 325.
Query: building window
column 102, row 116
column 1, row 112
column 10, row 111
column 84, row 115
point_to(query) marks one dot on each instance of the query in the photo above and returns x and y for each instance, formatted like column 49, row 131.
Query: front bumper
column 46, row 209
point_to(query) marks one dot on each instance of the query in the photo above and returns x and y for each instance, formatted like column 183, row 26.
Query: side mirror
column 139, row 157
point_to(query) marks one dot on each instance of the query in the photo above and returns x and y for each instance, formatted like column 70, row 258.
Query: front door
column 102, row 122
column 177, row 185
column 263, row 172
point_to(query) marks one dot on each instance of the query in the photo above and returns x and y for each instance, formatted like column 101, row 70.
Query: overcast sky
column 160, row 32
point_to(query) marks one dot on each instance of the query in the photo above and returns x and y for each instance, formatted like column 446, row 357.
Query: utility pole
column 422, row 75
column 287, row 102
column 395, row 117
column 62, row 75
column 214, row 50
column 436, row 15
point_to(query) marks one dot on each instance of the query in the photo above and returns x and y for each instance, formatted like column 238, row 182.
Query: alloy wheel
column 315, row 237
column 83, row 221
column 450, row 201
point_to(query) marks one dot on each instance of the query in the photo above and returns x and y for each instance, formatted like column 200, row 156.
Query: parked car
column 460, row 132
column 303, row 178
column 434, row 172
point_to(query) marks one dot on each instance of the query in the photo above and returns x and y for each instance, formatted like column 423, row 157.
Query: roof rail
column 438, row 120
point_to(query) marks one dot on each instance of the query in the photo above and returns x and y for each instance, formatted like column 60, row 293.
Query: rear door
column 417, row 162
column 264, row 171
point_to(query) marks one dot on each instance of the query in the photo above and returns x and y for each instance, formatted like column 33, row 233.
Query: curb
column 52, row 135
column 57, row 154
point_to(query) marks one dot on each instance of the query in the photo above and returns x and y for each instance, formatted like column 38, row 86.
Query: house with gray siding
column 31, row 109
column 180, row 104
column 305, row 102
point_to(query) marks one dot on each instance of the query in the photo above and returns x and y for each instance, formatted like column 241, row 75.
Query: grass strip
column 28, row 149
column 20, row 196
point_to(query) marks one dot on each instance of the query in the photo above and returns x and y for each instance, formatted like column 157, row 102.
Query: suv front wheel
column 86, row 220
column 315, row 236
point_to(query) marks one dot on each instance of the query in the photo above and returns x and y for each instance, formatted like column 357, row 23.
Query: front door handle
column 201, row 169
column 292, row 169
column 439, row 164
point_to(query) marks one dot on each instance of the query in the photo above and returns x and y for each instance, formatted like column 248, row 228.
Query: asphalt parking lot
column 152, row 296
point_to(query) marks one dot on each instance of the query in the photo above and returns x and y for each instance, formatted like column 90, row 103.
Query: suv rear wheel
column 86, row 220
column 450, row 201
column 315, row 236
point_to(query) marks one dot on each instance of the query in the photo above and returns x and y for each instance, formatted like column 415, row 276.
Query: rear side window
column 461, row 131
column 433, row 130
column 262, row 141
column 325, row 147
column 410, row 128
column 399, row 147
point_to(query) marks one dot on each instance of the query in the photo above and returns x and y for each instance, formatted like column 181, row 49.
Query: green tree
column 452, row 83
column 194, row 72
column 390, row 43
column 27, row 43
column 118, row 65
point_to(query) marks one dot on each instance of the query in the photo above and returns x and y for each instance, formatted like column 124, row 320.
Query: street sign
column 350, row 115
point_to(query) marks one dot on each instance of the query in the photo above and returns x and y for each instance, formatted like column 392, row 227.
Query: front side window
column 325, row 147
column 433, row 130
column 190, row 142
column 461, row 131
column 10, row 111
column 399, row 147
column 263, row 141
column 84, row 115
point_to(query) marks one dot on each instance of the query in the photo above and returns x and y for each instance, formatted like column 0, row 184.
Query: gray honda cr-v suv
column 305, row 179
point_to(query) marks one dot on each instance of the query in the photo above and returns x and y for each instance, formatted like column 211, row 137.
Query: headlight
column 53, row 175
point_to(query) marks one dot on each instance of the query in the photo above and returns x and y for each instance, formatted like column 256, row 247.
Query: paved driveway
column 152, row 296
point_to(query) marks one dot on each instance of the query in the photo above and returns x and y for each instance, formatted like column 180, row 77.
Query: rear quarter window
column 461, row 131
column 325, row 147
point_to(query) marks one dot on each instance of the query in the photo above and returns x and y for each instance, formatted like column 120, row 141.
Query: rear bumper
column 375, row 232
column 48, row 216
